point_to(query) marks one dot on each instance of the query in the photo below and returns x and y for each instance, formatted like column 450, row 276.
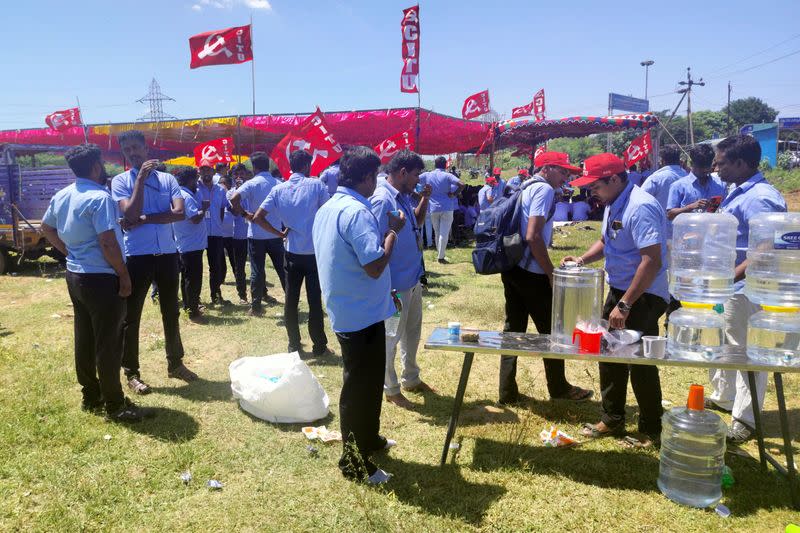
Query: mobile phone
column 713, row 204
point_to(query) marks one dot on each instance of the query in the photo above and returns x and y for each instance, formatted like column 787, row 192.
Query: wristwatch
column 623, row 306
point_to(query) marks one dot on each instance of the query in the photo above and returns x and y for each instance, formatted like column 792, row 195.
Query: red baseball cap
column 556, row 159
column 597, row 167
column 497, row 171
column 523, row 172
column 205, row 163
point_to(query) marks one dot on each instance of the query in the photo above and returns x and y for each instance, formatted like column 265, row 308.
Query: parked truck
column 25, row 193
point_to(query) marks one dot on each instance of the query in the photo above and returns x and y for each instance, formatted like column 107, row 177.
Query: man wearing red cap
column 494, row 188
column 516, row 181
column 214, row 199
column 528, row 286
column 633, row 242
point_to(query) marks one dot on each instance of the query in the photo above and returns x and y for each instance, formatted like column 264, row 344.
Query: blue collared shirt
column 239, row 222
column 659, row 183
column 347, row 237
column 515, row 182
column 644, row 223
column 752, row 197
column 190, row 237
column 80, row 212
column 217, row 198
column 442, row 183
column 296, row 202
column 330, row 177
column 688, row 190
column 160, row 189
column 406, row 260
column 496, row 193
column 580, row 211
column 538, row 200
column 253, row 193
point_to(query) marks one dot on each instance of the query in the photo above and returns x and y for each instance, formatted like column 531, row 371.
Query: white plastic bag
column 278, row 388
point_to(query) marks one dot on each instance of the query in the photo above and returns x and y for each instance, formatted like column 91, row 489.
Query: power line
column 756, row 54
column 757, row 66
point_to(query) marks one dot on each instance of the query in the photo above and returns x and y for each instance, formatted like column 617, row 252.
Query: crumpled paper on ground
column 555, row 438
column 322, row 433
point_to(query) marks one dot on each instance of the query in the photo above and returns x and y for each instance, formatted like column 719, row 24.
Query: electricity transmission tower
column 154, row 97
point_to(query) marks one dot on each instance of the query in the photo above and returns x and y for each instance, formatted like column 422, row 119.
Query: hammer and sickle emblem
column 215, row 45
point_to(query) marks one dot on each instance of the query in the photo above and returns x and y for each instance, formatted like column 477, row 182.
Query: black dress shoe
column 130, row 412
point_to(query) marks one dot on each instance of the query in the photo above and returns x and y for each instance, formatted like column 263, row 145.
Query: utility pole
column 728, row 109
column 647, row 63
column 689, row 83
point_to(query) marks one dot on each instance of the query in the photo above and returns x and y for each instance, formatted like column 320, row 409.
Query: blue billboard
column 627, row 103
column 789, row 123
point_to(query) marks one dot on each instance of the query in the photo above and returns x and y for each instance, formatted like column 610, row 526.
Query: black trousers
column 646, row 385
column 144, row 269
column 529, row 295
column 259, row 249
column 191, row 264
column 237, row 256
column 99, row 312
column 217, row 269
column 299, row 268
column 364, row 359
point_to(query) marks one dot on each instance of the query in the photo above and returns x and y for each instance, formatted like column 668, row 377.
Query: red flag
column 522, row 111
column 61, row 120
column 539, row 151
column 221, row 47
column 476, row 105
column 215, row 151
column 488, row 140
column 313, row 136
column 639, row 148
column 388, row 148
column 409, row 27
column 538, row 105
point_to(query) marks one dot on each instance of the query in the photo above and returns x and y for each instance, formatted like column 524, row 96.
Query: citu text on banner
column 409, row 27
column 312, row 135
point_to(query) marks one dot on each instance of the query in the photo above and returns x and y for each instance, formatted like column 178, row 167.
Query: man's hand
column 147, row 167
column 426, row 191
column 617, row 318
column 396, row 223
column 699, row 204
column 248, row 215
column 573, row 259
column 125, row 285
column 284, row 233
column 127, row 225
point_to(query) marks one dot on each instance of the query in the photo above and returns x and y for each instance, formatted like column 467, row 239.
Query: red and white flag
column 313, row 136
column 215, row 151
column 61, row 120
column 538, row 105
column 540, row 150
column 221, row 47
column 409, row 26
column 522, row 111
column 487, row 140
column 476, row 105
column 639, row 148
column 388, row 148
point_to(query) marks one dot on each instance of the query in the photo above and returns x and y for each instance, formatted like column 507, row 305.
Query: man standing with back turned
column 150, row 202
column 445, row 187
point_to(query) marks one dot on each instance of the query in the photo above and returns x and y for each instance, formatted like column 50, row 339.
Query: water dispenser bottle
column 703, row 257
column 692, row 453
column 773, row 336
column 773, row 267
column 696, row 331
column 577, row 297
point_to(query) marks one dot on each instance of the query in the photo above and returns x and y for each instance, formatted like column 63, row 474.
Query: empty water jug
column 692, row 453
column 696, row 331
column 773, row 336
column 703, row 257
column 577, row 297
column 773, row 268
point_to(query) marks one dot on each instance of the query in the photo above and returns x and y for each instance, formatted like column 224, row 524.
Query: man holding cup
column 633, row 242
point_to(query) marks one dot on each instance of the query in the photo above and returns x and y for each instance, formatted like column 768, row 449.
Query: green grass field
column 63, row 469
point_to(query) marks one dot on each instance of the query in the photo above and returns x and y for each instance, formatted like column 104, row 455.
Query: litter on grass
column 322, row 433
column 555, row 438
column 213, row 484
column 186, row 477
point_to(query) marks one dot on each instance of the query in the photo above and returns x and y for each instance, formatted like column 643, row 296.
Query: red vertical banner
column 409, row 27
column 538, row 105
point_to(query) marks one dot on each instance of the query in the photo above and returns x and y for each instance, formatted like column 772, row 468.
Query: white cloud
column 197, row 7
column 257, row 4
column 230, row 4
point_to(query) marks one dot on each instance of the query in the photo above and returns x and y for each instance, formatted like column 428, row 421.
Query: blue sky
column 346, row 55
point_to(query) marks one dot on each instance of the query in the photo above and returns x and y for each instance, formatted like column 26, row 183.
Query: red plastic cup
column 588, row 342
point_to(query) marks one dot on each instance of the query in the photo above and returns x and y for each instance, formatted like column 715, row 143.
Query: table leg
column 751, row 378
column 462, row 386
column 787, row 441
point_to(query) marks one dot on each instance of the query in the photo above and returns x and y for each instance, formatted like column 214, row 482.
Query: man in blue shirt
column 330, row 177
column 214, row 202
column 393, row 195
column 660, row 181
column 516, row 181
column 236, row 245
column 633, row 242
column 491, row 191
column 580, row 208
column 150, row 202
column 528, row 286
column 191, row 238
column 296, row 202
column 353, row 259
column 81, row 223
column 445, row 188
column 737, row 160
column 699, row 191
column 246, row 201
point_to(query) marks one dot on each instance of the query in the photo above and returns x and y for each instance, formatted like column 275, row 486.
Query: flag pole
column 253, row 64
column 83, row 126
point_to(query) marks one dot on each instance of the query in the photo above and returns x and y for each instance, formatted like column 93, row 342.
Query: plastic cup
column 419, row 188
column 454, row 330
column 654, row 347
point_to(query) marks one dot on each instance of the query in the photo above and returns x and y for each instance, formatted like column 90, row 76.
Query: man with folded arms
column 191, row 239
